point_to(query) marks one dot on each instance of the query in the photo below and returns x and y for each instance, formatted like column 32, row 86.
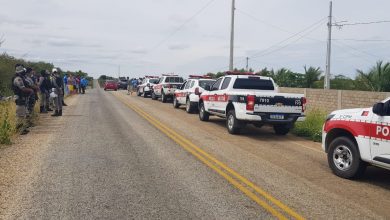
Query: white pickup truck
column 355, row 138
column 244, row 98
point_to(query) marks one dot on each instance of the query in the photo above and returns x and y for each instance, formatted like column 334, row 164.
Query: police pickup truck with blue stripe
column 245, row 98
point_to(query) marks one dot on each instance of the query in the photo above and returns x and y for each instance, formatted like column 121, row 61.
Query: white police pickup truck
column 354, row 138
column 166, row 86
column 145, row 88
column 188, row 94
column 244, row 98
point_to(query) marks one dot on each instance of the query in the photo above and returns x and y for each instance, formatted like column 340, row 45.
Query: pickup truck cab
column 146, row 86
column 166, row 86
column 188, row 94
column 244, row 98
column 355, row 138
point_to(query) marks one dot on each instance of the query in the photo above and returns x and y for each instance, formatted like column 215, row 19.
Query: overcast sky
column 159, row 36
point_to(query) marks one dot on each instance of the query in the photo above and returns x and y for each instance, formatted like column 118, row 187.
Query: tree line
column 377, row 78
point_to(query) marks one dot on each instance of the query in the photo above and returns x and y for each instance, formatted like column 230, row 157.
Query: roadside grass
column 7, row 121
column 312, row 127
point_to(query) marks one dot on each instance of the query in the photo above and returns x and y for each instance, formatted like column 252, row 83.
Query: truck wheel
column 281, row 129
column 145, row 95
column 175, row 103
column 163, row 97
column 203, row 115
column 232, row 123
column 344, row 158
column 189, row 107
column 154, row 97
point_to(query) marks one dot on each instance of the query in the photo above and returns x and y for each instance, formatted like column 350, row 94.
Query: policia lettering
column 22, row 93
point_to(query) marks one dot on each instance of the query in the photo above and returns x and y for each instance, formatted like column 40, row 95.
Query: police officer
column 44, row 88
column 57, row 86
column 21, row 93
column 31, row 100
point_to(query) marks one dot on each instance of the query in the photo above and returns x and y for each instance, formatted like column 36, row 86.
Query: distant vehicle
column 110, row 85
column 188, row 94
column 122, row 83
column 354, row 138
column 166, row 86
column 244, row 98
column 146, row 86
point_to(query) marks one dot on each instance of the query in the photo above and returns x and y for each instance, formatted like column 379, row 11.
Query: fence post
column 339, row 99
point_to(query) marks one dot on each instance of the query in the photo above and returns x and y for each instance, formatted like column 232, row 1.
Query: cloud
column 178, row 46
column 66, row 42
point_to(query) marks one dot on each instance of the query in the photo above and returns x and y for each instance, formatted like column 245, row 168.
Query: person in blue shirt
column 83, row 84
column 134, row 84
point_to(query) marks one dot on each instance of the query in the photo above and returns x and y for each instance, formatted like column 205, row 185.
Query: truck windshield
column 255, row 83
column 153, row 81
column 203, row 83
column 174, row 80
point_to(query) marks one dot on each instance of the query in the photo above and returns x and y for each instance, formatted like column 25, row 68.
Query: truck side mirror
column 207, row 87
column 378, row 109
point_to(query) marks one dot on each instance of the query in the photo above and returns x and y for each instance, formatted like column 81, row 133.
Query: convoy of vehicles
column 146, row 86
column 189, row 92
column 166, row 86
column 352, row 138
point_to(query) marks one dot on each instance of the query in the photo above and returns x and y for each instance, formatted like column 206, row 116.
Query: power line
column 361, row 40
column 365, row 23
column 264, row 52
column 182, row 25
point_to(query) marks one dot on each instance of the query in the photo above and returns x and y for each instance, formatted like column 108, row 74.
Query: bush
column 312, row 126
column 7, row 119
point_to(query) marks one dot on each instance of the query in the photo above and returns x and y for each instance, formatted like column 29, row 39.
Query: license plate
column 276, row 116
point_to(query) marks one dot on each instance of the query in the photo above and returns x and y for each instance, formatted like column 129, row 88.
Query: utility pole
column 247, row 63
column 231, row 68
column 329, row 48
column 119, row 71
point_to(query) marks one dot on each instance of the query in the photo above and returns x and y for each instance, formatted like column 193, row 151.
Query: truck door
column 210, row 105
column 380, row 139
column 222, row 99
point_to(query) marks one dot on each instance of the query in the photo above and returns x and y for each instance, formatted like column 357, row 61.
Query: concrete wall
column 330, row 100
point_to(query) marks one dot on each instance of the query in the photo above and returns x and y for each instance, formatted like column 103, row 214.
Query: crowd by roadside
column 47, row 88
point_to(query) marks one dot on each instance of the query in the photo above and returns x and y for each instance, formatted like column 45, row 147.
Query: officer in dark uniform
column 32, row 99
column 21, row 94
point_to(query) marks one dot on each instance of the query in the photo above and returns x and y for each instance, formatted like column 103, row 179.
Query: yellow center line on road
column 224, row 172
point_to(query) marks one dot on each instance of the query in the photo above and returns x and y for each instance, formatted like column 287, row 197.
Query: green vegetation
column 376, row 79
column 7, row 122
column 312, row 126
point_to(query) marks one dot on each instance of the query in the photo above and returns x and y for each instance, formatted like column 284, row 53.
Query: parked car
column 110, row 85
column 122, row 83
column 188, row 94
column 354, row 138
column 244, row 98
column 166, row 86
column 146, row 86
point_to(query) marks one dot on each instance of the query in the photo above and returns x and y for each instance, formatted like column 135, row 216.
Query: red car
column 110, row 85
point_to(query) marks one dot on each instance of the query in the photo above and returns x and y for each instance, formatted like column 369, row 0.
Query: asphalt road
column 114, row 156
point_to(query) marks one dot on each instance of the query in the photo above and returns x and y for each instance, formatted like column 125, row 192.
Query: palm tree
column 377, row 78
column 312, row 75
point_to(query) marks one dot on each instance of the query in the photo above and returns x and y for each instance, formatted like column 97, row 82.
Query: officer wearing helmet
column 21, row 94
column 57, row 92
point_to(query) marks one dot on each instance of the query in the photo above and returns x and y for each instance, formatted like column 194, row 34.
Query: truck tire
column 175, row 103
column 344, row 158
column 203, row 115
column 232, row 123
column 145, row 95
column 154, row 97
column 282, row 129
column 163, row 97
column 189, row 106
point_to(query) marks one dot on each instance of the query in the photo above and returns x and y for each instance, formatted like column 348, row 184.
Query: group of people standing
column 29, row 87
column 75, row 84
